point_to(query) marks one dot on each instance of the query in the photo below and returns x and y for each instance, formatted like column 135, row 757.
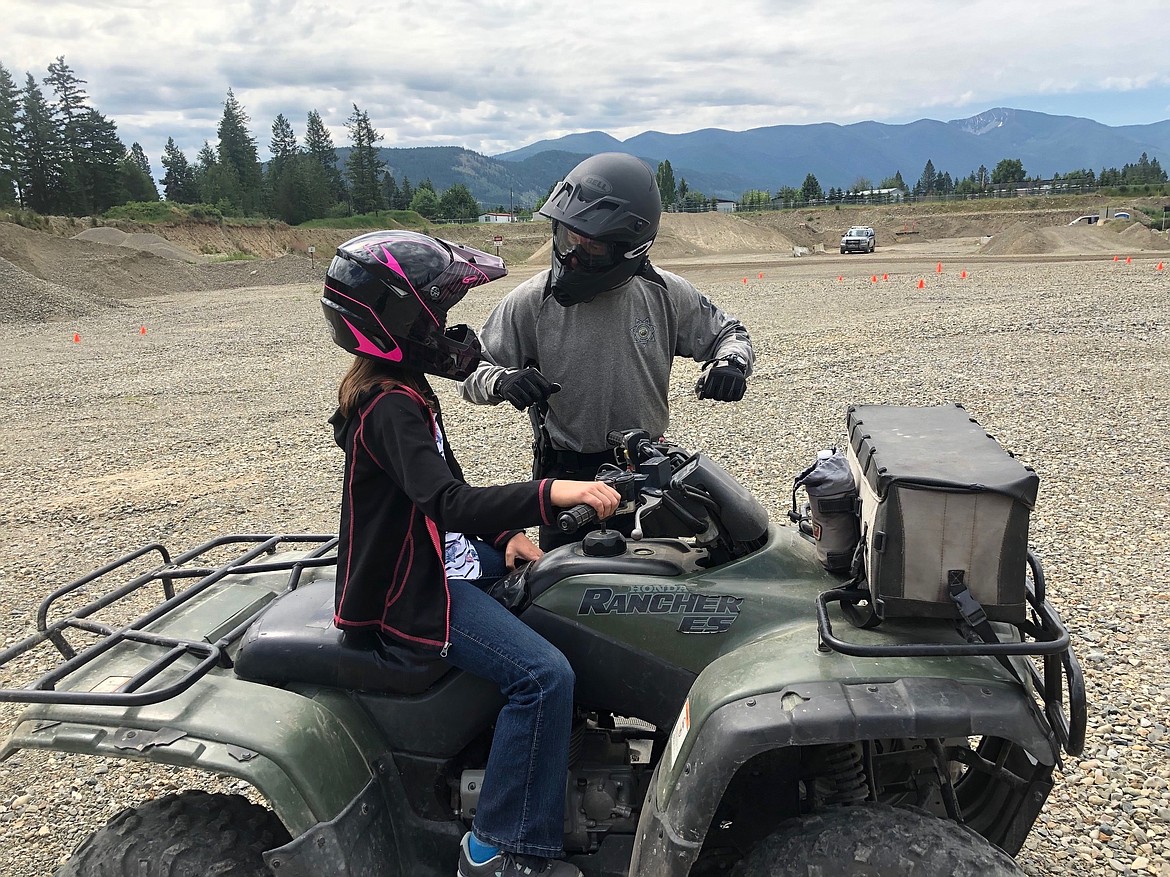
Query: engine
column 609, row 772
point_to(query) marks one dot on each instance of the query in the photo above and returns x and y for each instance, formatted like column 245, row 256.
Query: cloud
column 494, row 75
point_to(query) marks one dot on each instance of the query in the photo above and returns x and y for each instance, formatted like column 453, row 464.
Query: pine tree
column 391, row 192
column 811, row 190
column 179, row 180
column 138, row 156
column 239, row 177
column 666, row 185
column 319, row 144
column 91, row 178
column 216, row 183
column 99, row 163
column 363, row 167
column 926, row 181
column 41, row 151
column 71, row 97
column 285, row 200
column 74, row 186
column 9, row 132
column 137, row 179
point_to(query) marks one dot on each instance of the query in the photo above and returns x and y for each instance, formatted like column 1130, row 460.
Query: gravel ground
column 212, row 422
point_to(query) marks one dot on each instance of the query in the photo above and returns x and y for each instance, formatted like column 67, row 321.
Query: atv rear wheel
column 876, row 841
column 189, row 834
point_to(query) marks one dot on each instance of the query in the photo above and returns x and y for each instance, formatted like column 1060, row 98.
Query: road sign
column 499, row 240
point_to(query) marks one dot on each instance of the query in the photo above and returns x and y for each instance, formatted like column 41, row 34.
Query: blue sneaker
column 504, row 864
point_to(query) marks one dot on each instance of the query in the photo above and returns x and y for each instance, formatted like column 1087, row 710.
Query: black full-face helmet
column 605, row 217
column 387, row 295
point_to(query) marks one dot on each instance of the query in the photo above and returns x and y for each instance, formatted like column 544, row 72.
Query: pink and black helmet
column 387, row 295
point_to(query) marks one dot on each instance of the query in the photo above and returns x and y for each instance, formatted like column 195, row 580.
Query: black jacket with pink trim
column 399, row 497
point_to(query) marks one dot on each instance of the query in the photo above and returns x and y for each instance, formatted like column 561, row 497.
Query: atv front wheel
column 189, row 834
column 876, row 841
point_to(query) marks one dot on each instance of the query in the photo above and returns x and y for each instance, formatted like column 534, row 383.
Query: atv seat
column 294, row 640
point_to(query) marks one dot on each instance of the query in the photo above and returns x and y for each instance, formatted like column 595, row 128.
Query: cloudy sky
column 494, row 75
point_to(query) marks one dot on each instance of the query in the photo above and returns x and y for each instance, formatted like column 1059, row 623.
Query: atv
column 725, row 722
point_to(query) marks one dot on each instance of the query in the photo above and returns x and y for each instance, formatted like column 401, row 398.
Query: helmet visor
column 580, row 253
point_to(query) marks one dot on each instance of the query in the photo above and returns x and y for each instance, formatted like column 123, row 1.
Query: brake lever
column 636, row 533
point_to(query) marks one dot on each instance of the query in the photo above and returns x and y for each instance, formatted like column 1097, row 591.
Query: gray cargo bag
column 941, row 503
column 831, row 511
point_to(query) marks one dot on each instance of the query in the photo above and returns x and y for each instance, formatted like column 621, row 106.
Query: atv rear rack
column 137, row 691
column 1043, row 635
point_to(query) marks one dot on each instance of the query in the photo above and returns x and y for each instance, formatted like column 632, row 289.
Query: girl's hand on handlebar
column 602, row 498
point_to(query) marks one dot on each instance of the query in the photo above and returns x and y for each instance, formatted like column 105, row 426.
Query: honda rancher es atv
column 741, row 707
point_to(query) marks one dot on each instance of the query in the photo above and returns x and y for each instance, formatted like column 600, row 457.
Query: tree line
column 60, row 155
column 1007, row 176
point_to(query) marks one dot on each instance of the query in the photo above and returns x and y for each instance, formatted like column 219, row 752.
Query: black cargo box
column 939, row 495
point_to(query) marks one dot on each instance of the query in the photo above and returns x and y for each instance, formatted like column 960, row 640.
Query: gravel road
column 213, row 422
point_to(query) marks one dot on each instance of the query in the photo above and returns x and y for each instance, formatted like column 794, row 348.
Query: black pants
column 577, row 467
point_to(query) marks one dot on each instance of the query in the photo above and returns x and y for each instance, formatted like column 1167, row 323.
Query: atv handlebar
column 572, row 520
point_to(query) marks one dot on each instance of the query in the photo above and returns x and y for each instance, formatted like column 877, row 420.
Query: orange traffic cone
column 921, row 283
column 142, row 330
column 76, row 338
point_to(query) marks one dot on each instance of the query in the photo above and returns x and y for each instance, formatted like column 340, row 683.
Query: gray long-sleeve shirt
column 612, row 356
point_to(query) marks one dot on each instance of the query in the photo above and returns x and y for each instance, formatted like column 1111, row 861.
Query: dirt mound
column 1139, row 237
column 149, row 242
column 25, row 298
column 77, row 275
column 1023, row 238
column 1018, row 239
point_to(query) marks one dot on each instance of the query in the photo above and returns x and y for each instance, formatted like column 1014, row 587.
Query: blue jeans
column 522, row 803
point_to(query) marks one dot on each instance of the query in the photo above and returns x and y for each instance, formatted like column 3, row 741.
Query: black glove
column 524, row 386
column 723, row 380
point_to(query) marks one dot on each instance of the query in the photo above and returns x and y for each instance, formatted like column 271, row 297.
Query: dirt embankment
column 75, row 268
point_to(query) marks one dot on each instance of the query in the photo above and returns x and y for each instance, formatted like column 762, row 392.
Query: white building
column 725, row 206
column 496, row 217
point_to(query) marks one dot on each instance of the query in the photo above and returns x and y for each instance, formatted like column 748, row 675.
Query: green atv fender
column 309, row 756
column 309, row 753
column 776, row 689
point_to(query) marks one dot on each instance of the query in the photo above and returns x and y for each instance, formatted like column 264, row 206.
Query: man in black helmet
column 602, row 327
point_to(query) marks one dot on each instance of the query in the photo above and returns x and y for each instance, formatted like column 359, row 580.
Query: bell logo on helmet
column 599, row 183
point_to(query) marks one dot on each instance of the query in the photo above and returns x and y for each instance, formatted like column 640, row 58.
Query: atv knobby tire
column 189, row 834
column 876, row 841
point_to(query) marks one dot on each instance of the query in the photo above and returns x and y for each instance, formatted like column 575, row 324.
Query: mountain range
column 726, row 164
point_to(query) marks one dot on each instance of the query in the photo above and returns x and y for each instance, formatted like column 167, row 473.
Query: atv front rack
column 1043, row 635
column 139, row 690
